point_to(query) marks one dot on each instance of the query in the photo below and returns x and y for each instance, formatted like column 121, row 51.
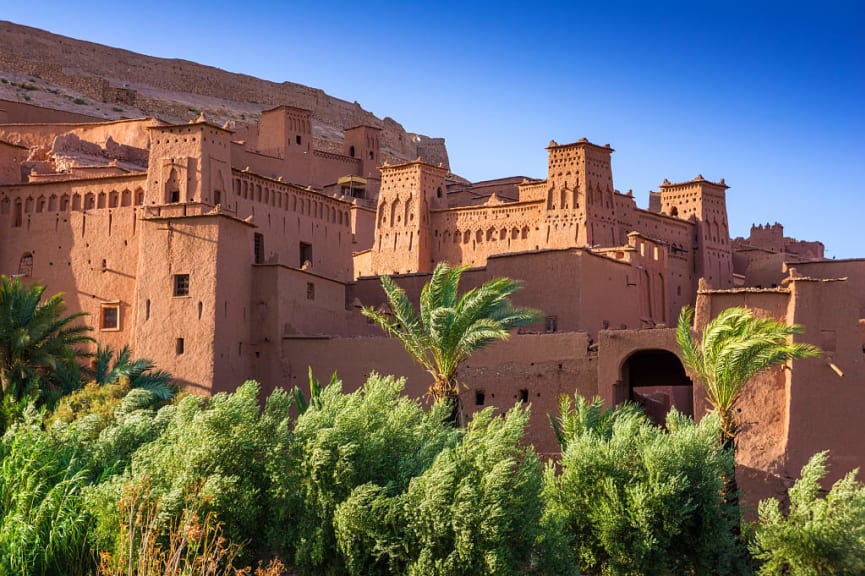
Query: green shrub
column 633, row 498
column 820, row 534
column 92, row 399
column 475, row 510
column 372, row 438
column 44, row 520
column 229, row 446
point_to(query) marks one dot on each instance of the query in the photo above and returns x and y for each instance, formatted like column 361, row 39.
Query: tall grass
column 43, row 517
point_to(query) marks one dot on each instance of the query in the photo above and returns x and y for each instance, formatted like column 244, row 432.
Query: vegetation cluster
column 105, row 469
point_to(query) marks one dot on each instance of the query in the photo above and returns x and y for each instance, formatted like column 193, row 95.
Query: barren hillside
column 53, row 71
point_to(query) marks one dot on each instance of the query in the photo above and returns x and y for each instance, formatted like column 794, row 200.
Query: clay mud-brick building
column 225, row 254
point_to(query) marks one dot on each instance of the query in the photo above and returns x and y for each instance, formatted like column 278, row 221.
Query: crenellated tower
column 580, row 205
column 704, row 202
column 402, row 236
column 188, row 163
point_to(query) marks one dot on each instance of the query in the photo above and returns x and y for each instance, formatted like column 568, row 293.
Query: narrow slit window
column 259, row 248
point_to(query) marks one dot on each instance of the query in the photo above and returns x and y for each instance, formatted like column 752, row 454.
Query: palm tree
column 735, row 347
column 141, row 373
column 35, row 338
column 449, row 328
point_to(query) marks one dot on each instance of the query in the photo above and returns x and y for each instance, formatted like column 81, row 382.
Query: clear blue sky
column 768, row 95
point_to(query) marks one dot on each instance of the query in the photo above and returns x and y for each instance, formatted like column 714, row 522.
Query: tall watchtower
column 364, row 142
column 188, row 163
column 285, row 132
column 705, row 203
column 580, row 207
column 402, row 235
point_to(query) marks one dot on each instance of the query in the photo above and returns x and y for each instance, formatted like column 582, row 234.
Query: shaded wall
column 538, row 367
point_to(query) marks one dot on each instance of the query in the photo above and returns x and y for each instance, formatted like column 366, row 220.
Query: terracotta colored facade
column 232, row 254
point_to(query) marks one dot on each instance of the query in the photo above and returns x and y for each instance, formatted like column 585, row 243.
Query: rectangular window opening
column 109, row 317
column 310, row 291
column 524, row 395
column 305, row 255
column 480, row 397
column 178, row 346
column 551, row 324
column 259, row 248
column 181, row 285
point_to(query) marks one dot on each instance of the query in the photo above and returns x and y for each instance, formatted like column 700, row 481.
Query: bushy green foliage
column 229, row 445
column 372, row 438
column 821, row 534
column 43, row 516
column 579, row 416
column 637, row 499
column 475, row 510
column 92, row 399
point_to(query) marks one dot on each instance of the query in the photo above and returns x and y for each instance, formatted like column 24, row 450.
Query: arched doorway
column 656, row 380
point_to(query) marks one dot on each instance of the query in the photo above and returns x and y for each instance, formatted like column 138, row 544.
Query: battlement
column 691, row 184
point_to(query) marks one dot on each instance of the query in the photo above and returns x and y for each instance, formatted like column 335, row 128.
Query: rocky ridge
column 52, row 71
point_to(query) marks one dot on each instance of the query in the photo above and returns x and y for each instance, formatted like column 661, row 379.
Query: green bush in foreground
column 820, row 535
column 43, row 516
column 633, row 498
column 475, row 510
column 374, row 438
column 228, row 447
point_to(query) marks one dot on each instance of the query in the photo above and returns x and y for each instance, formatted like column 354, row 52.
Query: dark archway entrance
column 656, row 380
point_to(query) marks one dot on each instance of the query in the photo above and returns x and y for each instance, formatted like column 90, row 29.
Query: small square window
column 181, row 284
column 109, row 317
column 551, row 324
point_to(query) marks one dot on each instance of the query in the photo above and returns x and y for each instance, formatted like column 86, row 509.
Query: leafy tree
column 449, row 328
column 633, row 498
column 821, row 534
column 35, row 337
column 735, row 347
column 140, row 373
